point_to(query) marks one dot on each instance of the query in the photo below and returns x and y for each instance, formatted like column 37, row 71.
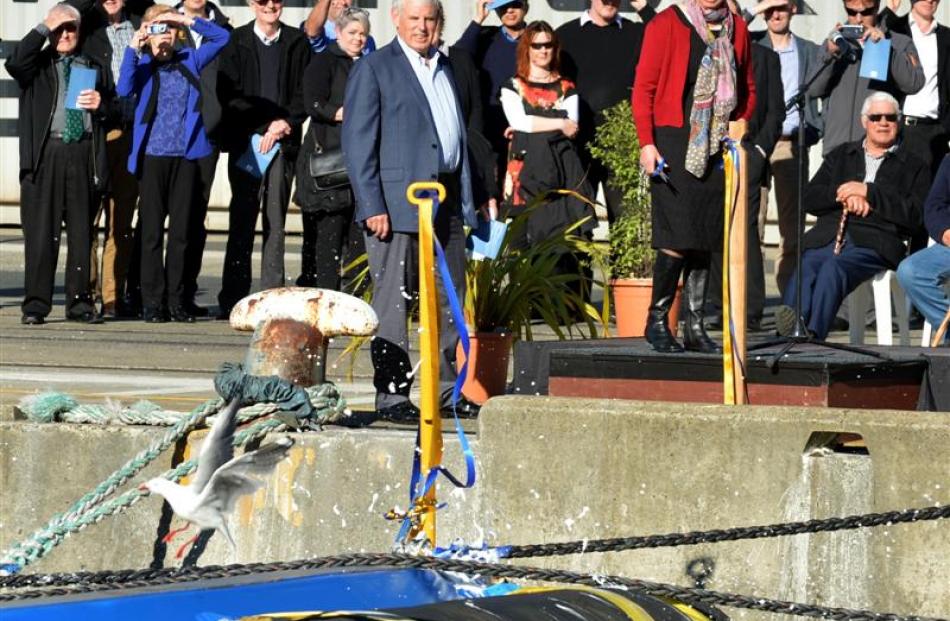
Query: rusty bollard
column 292, row 326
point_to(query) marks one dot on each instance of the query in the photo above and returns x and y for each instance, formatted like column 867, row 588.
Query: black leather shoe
column 194, row 309
column 463, row 409
column 180, row 314
column 32, row 319
column 404, row 412
column 154, row 315
column 89, row 317
column 695, row 286
column 224, row 314
column 666, row 276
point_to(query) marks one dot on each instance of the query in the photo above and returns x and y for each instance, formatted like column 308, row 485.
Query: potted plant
column 509, row 294
column 631, row 255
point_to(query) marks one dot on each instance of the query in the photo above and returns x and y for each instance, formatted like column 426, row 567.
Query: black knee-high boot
column 666, row 275
column 695, row 288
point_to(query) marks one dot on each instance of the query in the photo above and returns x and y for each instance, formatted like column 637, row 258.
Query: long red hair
column 523, row 52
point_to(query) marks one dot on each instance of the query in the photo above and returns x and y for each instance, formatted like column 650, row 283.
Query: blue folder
column 485, row 241
column 254, row 162
column 80, row 79
column 875, row 59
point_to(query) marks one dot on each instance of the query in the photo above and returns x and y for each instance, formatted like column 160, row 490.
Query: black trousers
column 167, row 187
column 323, row 235
column 197, row 233
column 61, row 189
column 249, row 197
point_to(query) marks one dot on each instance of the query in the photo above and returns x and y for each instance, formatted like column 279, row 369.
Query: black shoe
column 89, row 317
column 839, row 324
column 181, row 314
column 194, row 309
column 753, row 324
column 464, row 408
column 154, row 315
column 785, row 320
column 306, row 280
column 695, row 286
column 403, row 412
column 666, row 276
column 714, row 322
column 32, row 319
column 224, row 314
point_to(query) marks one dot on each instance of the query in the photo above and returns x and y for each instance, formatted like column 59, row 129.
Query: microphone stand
column 800, row 333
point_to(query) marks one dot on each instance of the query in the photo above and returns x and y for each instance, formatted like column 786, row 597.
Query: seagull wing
column 238, row 477
column 218, row 447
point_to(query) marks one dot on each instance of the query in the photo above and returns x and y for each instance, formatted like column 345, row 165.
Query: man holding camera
column 842, row 83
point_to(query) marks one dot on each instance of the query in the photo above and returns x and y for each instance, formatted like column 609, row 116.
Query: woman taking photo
column 168, row 139
column 694, row 77
column 327, row 214
column 542, row 111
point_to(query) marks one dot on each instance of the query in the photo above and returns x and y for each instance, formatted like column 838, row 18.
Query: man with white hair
column 404, row 123
column 868, row 197
column 62, row 162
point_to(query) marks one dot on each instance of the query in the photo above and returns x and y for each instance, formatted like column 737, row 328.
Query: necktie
column 72, row 121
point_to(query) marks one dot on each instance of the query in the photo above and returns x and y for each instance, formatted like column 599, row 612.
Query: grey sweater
column 846, row 90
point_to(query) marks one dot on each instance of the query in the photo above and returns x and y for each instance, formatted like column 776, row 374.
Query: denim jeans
column 923, row 275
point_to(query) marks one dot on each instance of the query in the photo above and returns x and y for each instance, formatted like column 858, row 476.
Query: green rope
column 325, row 400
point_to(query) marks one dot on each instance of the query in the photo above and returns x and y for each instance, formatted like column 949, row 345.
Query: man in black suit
column 765, row 128
column 926, row 127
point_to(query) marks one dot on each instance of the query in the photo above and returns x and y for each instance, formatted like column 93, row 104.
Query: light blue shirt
column 441, row 97
column 790, row 85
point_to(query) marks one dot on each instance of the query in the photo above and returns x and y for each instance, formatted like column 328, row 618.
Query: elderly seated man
column 923, row 274
column 868, row 197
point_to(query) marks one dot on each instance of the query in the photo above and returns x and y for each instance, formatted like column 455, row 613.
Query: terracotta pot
column 487, row 365
column 632, row 301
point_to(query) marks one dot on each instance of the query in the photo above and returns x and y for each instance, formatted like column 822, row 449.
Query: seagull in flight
column 219, row 480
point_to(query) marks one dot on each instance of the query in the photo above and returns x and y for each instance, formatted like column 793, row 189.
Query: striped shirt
column 873, row 164
column 119, row 36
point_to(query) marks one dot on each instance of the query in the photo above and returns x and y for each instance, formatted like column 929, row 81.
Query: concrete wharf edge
column 556, row 469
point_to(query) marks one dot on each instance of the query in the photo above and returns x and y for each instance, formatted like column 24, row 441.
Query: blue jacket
column 135, row 78
column 937, row 205
column 390, row 140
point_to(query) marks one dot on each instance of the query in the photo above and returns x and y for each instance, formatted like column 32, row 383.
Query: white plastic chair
column 882, row 286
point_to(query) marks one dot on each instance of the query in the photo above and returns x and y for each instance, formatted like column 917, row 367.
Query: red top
column 661, row 74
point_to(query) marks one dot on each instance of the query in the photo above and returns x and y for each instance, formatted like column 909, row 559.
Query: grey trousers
column 250, row 196
column 393, row 267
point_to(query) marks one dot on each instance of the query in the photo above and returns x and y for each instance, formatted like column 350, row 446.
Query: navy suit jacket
column 390, row 140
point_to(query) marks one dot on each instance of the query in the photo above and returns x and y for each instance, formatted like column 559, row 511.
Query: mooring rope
column 91, row 509
column 618, row 544
column 132, row 579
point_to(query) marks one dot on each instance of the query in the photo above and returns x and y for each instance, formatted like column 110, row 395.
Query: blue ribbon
column 430, row 478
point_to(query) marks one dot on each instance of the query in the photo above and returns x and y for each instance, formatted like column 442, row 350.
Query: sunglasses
column 264, row 2
column 547, row 45
column 877, row 118
column 863, row 12
column 67, row 27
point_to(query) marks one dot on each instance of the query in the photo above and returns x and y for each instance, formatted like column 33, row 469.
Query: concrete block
column 570, row 469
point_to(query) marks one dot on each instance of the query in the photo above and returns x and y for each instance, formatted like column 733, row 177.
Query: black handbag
column 328, row 169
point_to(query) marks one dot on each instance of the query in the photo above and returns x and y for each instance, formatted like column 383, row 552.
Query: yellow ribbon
column 728, row 369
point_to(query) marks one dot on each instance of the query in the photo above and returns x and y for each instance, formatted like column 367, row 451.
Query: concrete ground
column 172, row 364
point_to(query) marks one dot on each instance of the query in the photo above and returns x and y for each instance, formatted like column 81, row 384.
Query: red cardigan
column 661, row 74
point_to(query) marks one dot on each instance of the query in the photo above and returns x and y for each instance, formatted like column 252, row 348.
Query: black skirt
column 688, row 212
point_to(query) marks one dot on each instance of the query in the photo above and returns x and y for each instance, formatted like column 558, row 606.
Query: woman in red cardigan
column 694, row 76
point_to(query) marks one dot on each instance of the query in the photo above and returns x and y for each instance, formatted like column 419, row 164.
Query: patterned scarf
column 714, row 95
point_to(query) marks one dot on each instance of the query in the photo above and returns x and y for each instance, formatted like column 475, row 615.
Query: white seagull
column 219, row 480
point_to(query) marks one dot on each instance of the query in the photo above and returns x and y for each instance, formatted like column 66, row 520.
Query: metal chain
column 730, row 534
column 131, row 579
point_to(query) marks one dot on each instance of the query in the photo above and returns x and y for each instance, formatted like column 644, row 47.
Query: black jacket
column 481, row 155
column 896, row 197
column 210, row 106
column 902, row 25
column 765, row 127
column 32, row 65
column 95, row 44
column 244, row 111
column 324, row 84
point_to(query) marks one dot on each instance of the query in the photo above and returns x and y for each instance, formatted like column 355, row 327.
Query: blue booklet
column 80, row 79
column 485, row 241
column 875, row 59
column 254, row 162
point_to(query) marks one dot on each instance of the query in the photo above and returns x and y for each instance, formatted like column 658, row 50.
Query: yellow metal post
column 735, row 238
column 430, row 423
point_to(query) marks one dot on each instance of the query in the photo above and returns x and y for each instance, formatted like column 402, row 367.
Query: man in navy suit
column 402, row 123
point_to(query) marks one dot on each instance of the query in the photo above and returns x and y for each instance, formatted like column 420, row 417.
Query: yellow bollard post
column 430, row 422
column 735, row 241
